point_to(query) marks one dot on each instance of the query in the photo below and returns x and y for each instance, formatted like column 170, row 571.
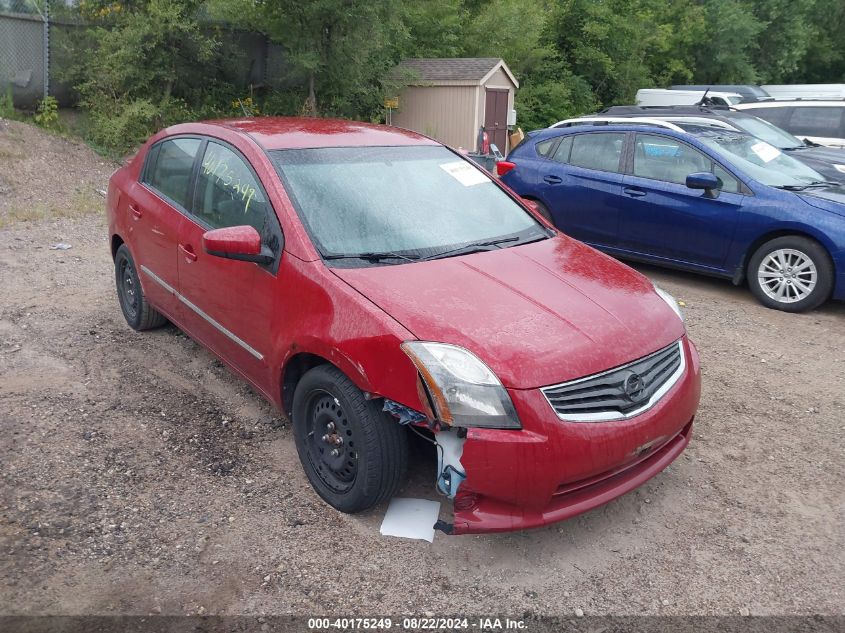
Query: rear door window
column 817, row 121
column 598, row 150
column 170, row 173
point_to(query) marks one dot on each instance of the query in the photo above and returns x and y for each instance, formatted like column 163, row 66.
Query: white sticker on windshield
column 464, row 173
column 766, row 152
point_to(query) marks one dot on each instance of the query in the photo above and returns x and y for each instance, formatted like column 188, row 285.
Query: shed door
column 496, row 117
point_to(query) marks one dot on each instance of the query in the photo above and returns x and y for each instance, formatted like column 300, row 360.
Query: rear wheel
column 354, row 454
column 791, row 273
column 137, row 311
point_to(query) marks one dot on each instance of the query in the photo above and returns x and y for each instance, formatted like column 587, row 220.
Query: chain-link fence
column 24, row 46
column 37, row 49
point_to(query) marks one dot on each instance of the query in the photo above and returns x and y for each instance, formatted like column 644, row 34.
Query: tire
column 372, row 459
column 137, row 311
column 791, row 273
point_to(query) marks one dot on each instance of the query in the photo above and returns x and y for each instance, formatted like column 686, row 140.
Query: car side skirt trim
column 228, row 333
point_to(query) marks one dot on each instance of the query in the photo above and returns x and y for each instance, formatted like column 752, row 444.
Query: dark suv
column 828, row 161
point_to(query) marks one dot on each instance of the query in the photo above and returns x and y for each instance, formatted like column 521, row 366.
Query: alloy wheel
column 787, row 275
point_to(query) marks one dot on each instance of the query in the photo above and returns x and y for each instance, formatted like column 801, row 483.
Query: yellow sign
column 393, row 103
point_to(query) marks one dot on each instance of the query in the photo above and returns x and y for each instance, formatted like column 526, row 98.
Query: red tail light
column 503, row 167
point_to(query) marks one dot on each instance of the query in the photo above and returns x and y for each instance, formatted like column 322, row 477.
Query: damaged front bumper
column 553, row 469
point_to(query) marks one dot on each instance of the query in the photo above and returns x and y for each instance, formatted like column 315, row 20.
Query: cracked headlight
column 670, row 300
column 462, row 390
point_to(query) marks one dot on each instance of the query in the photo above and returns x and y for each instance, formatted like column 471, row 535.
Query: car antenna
column 703, row 101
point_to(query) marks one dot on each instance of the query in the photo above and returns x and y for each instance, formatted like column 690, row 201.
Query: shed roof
column 474, row 69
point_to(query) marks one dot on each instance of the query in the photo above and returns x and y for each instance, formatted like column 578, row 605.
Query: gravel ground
column 140, row 476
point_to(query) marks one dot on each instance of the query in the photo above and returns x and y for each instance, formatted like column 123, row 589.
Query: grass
column 82, row 203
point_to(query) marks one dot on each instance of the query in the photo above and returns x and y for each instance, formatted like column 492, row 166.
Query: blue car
column 709, row 200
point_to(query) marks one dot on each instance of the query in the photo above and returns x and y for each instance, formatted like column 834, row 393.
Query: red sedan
column 365, row 279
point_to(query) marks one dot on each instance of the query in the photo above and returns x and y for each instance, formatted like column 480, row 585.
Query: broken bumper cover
column 553, row 469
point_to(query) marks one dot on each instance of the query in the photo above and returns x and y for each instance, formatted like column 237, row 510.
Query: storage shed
column 449, row 99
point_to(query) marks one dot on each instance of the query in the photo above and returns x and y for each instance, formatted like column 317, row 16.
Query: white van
column 806, row 91
column 663, row 97
column 821, row 122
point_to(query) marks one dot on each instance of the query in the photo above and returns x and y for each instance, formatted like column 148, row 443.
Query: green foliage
column 7, row 106
column 119, row 126
column 47, row 114
column 139, row 68
column 150, row 63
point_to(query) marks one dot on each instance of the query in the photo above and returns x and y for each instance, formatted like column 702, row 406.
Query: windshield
column 760, row 160
column 772, row 134
column 412, row 202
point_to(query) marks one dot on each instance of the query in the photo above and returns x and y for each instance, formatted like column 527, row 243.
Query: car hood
column 826, row 198
column 823, row 160
column 537, row 314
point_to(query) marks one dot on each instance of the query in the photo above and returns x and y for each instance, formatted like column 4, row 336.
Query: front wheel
column 354, row 454
column 791, row 273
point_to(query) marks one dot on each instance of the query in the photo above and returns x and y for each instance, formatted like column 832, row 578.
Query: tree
column 726, row 56
column 338, row 52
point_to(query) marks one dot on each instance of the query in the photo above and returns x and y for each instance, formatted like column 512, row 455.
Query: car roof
column 680, row 110
column 793, row 103
column 689, row 130
column 310, row 132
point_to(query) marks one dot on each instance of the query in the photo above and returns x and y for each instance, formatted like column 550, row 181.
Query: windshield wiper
column 372, row 257
column 475, row 247
column 815, row 183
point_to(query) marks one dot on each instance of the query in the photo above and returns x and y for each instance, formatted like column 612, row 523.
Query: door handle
column 188, row 252
column 553, row 180
column 634, row 192
column 136, row 211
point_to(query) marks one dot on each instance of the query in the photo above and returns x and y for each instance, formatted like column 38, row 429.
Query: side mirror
column 242, row 243
column 705, row 180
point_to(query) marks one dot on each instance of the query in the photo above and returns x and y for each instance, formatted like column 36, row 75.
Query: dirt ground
column 140, row 476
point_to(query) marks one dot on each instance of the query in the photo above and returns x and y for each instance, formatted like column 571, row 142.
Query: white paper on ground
column 464, row 173
column 411, row 518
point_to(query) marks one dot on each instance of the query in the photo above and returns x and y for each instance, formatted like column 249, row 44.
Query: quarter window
column 729, row 183
column 170, row 174
column 228, row 194
column 602, row 151
column 563, row 150
column 544, row 147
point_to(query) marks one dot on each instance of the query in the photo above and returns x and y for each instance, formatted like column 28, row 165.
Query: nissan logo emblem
column 634, row 387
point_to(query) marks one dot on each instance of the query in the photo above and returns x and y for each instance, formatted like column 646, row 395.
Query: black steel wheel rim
column 330, row 442
column 128, row 288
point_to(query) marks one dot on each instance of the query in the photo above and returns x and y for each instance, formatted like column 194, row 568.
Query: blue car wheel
column 791, row 273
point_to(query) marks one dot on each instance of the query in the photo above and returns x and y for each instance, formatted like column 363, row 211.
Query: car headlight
column 462, row 389
column 670, row 300
column 840, row 168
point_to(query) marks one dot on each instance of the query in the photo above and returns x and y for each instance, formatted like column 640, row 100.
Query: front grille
column 619, row 393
